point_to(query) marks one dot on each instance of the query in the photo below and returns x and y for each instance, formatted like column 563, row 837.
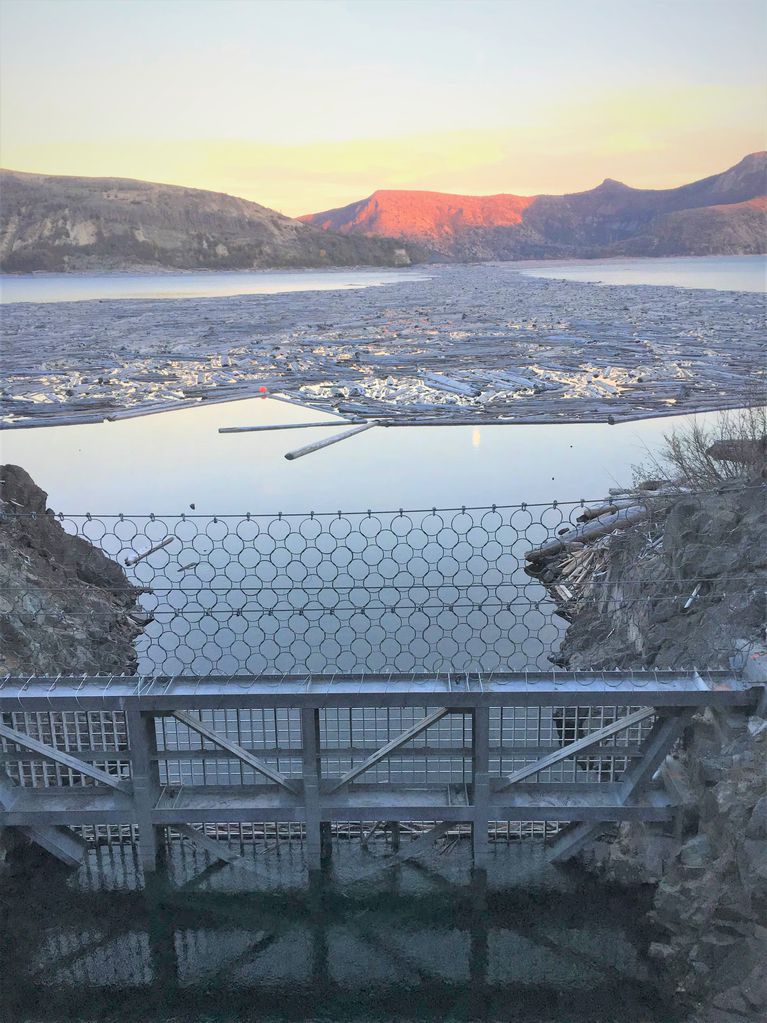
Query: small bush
column 696, row 455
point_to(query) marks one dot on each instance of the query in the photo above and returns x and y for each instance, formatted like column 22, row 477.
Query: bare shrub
column 701, row 456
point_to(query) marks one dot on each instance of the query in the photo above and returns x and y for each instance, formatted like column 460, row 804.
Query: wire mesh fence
column 435, row 590
column 430, row 590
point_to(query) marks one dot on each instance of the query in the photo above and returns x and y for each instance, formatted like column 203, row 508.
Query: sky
column 305, row 105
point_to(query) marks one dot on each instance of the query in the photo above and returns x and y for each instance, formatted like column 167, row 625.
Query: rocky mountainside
column 65, row 223
column 725, row 213
column 64, row 606
column 683, row 583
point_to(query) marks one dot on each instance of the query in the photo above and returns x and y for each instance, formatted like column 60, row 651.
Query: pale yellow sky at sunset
column 306, row 105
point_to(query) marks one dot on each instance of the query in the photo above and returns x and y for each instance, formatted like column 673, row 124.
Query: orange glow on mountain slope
column 427, row 215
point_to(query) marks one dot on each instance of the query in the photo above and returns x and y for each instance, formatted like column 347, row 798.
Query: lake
column 384, row 599
column 722, row 273
column 250, row 941
column 78, row 287
column 168, row 461
column 430, row 941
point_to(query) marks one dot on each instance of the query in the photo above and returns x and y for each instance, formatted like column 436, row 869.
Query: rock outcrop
column 64, row 606
column 710, row 906
column 725, row 213
column 62, row 223
column 686, row 586
column 679, row 589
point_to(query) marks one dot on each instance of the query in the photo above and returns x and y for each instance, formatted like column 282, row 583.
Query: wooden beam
column 238, row 751
column 300, row 452
column 621, row 519
column 280, row 426
column 220, row 850
column 60, row 757
column 576, row 747
column 384, row 751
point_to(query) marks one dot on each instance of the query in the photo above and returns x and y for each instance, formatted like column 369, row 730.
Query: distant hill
column 725, row 213
column 65, row 223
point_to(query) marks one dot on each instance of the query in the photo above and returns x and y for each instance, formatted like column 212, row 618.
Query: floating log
column 280, row 426
column 300, row 404
column 157, row 547
column 442, row 383
column 621, row 519
column 310, row 448
column 605, row 509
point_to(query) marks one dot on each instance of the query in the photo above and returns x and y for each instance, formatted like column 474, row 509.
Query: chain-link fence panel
column 428, row 590
column 649, row 580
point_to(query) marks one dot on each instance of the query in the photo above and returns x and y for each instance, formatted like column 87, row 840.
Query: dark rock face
column 711, row 899
column 723, row 214
column 64, row 606
column 60, row 223
column 637, row 616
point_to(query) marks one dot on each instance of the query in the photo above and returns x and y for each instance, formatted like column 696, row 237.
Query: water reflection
column 169, row 461
column 721, row 273
column 168, row 285
column 250, row 940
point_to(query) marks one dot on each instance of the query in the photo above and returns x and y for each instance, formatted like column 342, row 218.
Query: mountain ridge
column 611, row 219
column 62, row 223
column 58, row 223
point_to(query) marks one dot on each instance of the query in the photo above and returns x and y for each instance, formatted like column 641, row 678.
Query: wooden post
column 146, row 782
column 310, row 738
column 481, row 784
column 394, row 834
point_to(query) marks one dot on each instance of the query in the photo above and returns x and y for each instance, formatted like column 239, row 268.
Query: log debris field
column 474, row 343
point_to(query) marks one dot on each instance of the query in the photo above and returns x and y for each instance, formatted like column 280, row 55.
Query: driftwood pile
column 570, row 563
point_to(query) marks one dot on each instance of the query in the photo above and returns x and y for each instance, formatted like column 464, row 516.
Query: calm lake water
column 250, row 941
column 177, row 462
column 215, row 284
column 722, row 273
column 168, row 461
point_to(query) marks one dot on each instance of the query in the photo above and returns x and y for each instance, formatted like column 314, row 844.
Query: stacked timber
column 569, row 564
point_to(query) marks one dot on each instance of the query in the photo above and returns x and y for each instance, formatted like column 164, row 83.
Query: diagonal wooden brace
column 393, row 744
column 576, row 747
column 66, row 759
column 664, row 734
column 232, row 747
column 61, row 842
